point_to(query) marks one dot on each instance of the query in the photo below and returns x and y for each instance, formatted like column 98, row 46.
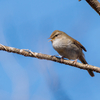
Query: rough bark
column 29, row 53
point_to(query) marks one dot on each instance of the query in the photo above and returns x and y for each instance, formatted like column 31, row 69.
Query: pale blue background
column 26, row 24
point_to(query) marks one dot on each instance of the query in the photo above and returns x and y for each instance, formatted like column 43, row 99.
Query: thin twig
column 49, row 57
column 94, row 4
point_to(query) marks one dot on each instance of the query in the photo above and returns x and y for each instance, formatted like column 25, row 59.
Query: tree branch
column 94, row 4
column 48, row 57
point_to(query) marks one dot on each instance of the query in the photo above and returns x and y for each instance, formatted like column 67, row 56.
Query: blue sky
column 26, row 24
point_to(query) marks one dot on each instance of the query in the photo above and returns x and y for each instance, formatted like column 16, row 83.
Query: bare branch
column 94, row 4
column 48, row 57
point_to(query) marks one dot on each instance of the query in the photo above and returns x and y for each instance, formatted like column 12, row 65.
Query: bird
column 68, row 47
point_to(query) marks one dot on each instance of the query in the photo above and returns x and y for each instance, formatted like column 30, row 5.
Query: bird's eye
column 56, row 35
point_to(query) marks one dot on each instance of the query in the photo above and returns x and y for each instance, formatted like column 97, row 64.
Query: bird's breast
column 66, row 48
column 60, row 44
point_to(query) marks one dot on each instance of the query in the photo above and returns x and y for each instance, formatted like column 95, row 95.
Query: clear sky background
column 26, row 24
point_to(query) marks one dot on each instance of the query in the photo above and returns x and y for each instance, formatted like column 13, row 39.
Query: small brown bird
column 68, row 47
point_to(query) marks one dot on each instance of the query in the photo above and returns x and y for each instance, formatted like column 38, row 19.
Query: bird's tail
column 82, row 59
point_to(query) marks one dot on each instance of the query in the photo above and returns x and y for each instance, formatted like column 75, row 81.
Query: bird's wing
column 78, row 44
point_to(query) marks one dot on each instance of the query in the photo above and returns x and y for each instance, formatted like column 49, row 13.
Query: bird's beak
column 49, row 40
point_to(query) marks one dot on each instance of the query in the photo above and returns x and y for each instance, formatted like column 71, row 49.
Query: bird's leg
column 62, row 58
column 75, row 61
